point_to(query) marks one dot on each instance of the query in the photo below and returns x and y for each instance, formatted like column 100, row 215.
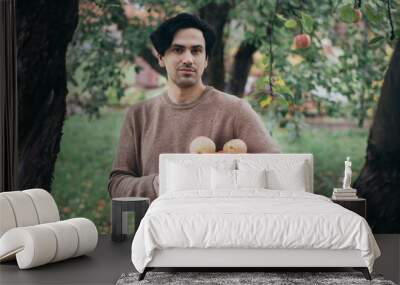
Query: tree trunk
column 216, row 15
column 366, row 81
column 44, row 29
column 379, row 180
column 241, row 68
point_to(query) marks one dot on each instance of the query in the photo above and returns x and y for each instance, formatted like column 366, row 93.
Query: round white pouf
column 31, row 231
column 45, row 205
column 23, row 208
column 6, row 216
column 33, row 246
column 87, row 234
column 40, row 244
column 67, row 240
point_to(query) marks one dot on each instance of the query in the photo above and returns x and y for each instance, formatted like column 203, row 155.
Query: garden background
column 319, row 99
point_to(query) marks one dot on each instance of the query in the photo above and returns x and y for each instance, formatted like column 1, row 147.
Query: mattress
column 250, row 219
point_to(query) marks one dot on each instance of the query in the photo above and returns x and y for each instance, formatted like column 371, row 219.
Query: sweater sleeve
column 250, row 128
column 124, row 179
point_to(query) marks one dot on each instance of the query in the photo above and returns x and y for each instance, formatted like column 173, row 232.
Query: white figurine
column 347, row 174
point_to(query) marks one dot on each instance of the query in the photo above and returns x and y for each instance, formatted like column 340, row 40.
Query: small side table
column 124, row 211
column 358, row 206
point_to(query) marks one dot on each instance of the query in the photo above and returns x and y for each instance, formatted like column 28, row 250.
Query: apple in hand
column 202, row 144
column 235, row 146
column 302, row 41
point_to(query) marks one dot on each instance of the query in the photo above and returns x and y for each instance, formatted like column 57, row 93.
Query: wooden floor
column 110, row 260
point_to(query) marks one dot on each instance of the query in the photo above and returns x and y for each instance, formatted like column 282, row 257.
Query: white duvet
column 252, row 218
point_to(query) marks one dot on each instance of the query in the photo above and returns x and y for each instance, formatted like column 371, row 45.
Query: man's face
column 185, row 60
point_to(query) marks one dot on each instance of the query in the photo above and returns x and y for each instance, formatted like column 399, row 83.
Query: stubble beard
column 185, row 82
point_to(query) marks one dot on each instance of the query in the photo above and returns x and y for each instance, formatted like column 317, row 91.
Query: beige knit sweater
column 158, row 125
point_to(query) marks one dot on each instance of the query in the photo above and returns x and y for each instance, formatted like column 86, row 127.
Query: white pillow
column 192, row 174
column 251, row 178
column 293, row 180
column 223, row 179
column 181, row 177
column 226, row 179
column 281, row 174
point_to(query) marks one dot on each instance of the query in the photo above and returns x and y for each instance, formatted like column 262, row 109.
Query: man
column 169, row 122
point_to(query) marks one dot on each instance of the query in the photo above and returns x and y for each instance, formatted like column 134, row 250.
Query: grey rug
column 229, row 278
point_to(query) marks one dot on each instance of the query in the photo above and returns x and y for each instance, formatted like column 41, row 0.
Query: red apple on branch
column 302, row 41
column 358, row 14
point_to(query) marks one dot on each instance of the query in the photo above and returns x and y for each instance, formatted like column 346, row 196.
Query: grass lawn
column 330, row 149
column 83, row 165
column 88, row 148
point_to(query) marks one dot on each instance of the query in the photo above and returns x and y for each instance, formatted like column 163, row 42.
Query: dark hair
column 162, row 37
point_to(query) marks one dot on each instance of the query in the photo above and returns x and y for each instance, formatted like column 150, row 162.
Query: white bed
column 203, row 220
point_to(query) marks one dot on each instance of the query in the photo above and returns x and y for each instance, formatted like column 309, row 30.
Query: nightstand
column 126, row 214
column 358, row 206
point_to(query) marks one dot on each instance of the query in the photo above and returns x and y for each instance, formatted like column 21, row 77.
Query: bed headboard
column 236, row 159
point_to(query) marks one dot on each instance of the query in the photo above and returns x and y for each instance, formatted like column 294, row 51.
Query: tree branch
column 217, row 16
column 241, row 68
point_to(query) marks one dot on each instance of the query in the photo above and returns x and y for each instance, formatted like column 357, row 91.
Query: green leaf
column 261, row 82
column 283, row 89
column 378, row 40
column 280, row 99
column 290, row 24
column 307, row 22
column 281, row 17
column 347, row 14
column 372, row 14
